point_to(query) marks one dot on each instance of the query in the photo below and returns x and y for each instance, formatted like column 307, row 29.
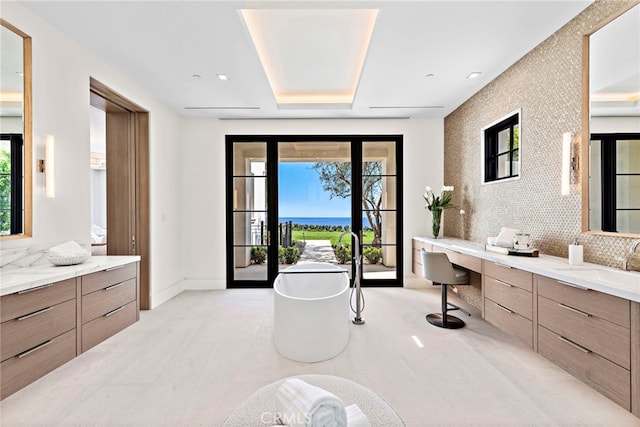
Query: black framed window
column 11, row 183
column 502, row 149
column 615, row 176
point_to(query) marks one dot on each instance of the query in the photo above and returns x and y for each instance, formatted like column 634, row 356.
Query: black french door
column 371, row 177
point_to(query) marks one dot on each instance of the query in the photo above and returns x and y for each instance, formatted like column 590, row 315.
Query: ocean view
column 342, row 221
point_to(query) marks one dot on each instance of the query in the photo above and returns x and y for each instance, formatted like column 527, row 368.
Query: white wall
column 61, row 72
column 614, row 124
column 11, row 124
column 203, row 190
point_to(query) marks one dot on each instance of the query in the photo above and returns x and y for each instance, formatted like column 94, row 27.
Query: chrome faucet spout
column 357, row 257
column 632, row 250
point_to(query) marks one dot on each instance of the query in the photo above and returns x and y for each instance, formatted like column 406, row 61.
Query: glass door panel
column 249, row 211
column 379, row 211
column 314, row 200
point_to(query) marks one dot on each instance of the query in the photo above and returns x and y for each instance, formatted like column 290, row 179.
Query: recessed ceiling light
column 196, row 76
column 222, row 76
column 430, row 75
column 474, row 75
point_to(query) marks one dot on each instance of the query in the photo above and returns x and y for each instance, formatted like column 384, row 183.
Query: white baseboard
column 198, row 284
column 166, row 294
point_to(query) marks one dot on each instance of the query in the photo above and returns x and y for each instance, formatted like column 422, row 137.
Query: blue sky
column 301, row 193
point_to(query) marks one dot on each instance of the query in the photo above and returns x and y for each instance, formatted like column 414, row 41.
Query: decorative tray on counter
column 511, row 251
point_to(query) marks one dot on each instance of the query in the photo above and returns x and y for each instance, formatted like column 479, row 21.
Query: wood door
column 121, row 213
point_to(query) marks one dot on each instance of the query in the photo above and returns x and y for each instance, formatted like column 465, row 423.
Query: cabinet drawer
column 509, row 296
column 603, row 375
column 103, row 327
column 21, row 370
column 107, row 299
column 28, row 331
column 417, row 269
column 608, row 307
column 467, row 261
column 30, row 300
column 520, row 278
column 101, row 279
column 417, row 245
column 509, row 321
column 598, row 335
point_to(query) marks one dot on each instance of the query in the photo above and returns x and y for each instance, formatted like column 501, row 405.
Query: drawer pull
column 117, row 267
column 574, row 310
column 502, row 265
column 582, row 288
column 108, row 288
column 508, row 285
column 35, row 289
column 112, row 312
column 503, row 308
column 35, row 313
column 36, row 348
column 574, row 345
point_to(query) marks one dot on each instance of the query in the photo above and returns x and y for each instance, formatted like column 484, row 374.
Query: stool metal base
column 452, row 322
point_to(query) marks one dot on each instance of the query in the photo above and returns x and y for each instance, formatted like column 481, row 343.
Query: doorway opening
column 291, row 198
column 120, row 180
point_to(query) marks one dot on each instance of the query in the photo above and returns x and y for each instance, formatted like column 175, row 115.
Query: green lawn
column 328, row 235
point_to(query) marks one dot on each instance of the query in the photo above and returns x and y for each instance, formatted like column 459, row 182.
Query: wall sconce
column 569, row 162
column 46, row 166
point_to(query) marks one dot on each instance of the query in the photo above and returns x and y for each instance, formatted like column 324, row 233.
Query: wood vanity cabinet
column 463, row 260
column 417, row 246
column 44, row 327
column 587, row 333
column 109, row 303
column 508, row 300
column 592, row 335
column 38, row 333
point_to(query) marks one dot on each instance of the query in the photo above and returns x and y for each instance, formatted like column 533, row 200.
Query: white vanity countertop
column 20, row 279
column 623, row 284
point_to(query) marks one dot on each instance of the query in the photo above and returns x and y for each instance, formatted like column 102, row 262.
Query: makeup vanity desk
column 49, row 314
column 586, row 319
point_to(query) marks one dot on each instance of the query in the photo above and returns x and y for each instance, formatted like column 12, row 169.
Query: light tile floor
column 192, row 360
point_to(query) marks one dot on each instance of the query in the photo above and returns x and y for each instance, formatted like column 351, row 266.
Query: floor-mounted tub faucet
column 358, row 259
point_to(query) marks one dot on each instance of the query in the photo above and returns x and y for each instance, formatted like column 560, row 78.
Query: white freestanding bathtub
column 311, row 312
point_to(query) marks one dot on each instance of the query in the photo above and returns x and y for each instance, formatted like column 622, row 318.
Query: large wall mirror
column 15, row 132
column 611, row 127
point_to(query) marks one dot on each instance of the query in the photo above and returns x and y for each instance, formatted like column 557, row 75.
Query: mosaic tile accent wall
column 546, row 85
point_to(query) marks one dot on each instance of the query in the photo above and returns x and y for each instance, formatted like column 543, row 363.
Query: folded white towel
column 301, row 404
column 67, row 249
column 505, row 237
column 355, row 417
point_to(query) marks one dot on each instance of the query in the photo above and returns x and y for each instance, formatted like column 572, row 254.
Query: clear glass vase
column 436, row 217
